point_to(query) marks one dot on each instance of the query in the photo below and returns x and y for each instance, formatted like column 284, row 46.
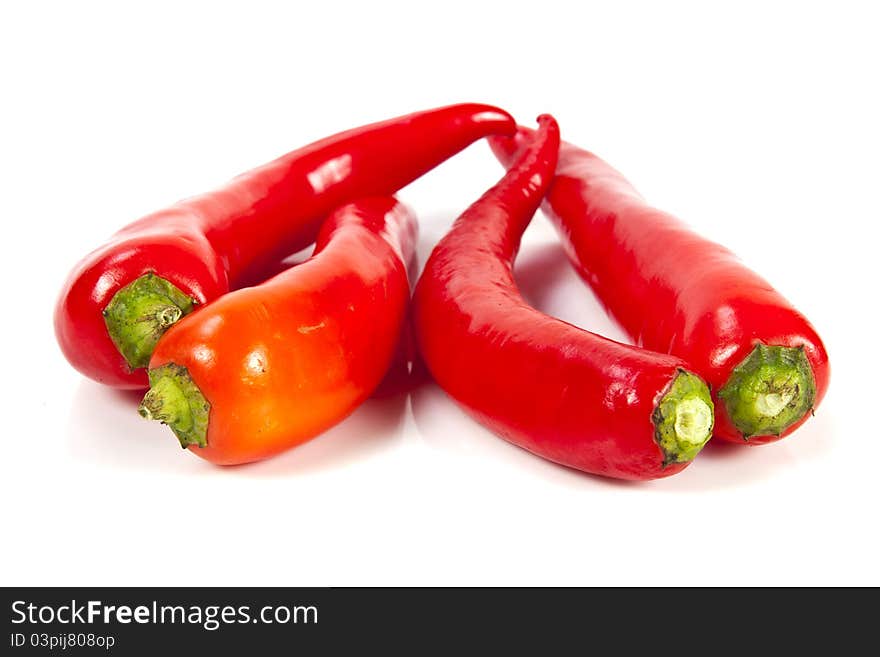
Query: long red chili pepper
column 678, row 293
column 561, row 392
column 265, row 368
column 119, row 300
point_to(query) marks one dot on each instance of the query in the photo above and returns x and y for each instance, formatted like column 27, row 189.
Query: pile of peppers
column 243, row 357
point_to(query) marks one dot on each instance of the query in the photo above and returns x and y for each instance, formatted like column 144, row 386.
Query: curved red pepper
column 556, row 390
column 678, row 293
column 265, row 368
column 199, row 248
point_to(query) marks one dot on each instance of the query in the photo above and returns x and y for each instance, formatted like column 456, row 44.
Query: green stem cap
column 684, row 418
column 771, row 389
column 140, row 313
column 174, row 399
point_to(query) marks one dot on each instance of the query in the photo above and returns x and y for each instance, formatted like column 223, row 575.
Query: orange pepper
column 266, row 368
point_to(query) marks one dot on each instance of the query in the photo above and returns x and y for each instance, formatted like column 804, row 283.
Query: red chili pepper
column 678, row 293
column 561, row 392
column 119, row 300
column 265, row 368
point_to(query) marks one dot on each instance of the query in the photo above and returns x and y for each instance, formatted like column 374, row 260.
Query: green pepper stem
column 174, row 399
column 771, row 389
column 683, row 418
column 140, row 313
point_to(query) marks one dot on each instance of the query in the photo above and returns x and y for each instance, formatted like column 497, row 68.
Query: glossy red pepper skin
column 206, row 244
column 283, row 361
column 670, row 289
column 561, row 392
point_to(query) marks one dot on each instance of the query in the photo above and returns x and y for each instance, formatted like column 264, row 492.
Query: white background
column 757, row 124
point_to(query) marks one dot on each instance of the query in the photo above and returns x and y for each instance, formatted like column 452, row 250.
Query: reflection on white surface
column 443, row 426
column 105, row 429
column 371, row 431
